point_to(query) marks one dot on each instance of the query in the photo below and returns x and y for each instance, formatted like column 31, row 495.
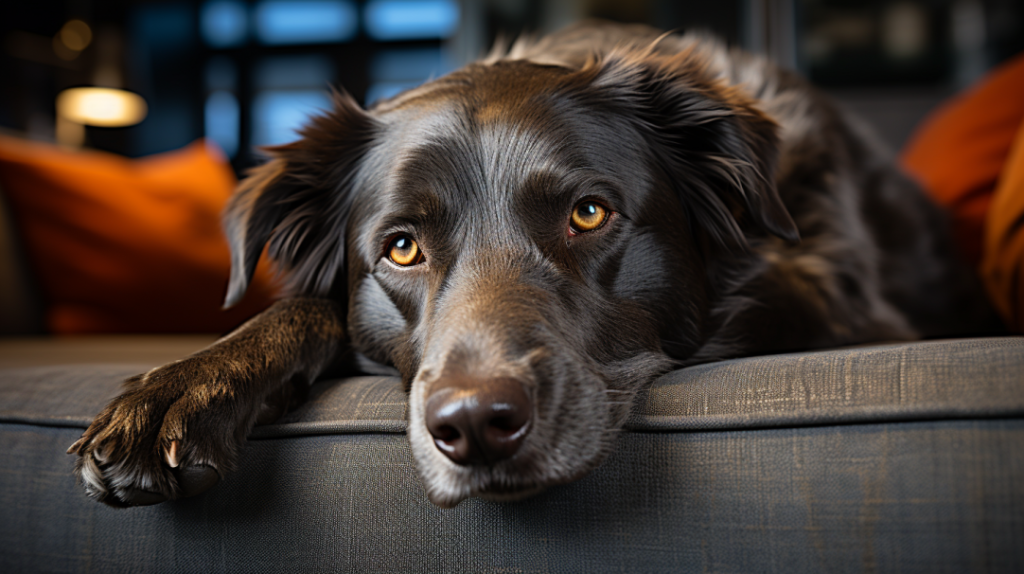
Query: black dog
column 531, row 239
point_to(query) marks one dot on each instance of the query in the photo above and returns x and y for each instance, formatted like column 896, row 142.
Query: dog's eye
column 404, row 251
column 588, row 216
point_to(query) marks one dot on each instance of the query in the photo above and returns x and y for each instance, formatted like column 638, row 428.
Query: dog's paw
column 173, row 433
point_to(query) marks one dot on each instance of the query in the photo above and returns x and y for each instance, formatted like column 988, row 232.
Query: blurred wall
column 246, row 72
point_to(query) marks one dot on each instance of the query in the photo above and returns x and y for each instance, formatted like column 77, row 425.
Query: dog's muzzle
column 478, row 421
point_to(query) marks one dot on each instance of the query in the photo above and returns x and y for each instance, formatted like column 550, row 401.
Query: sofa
column 887, row 458
column 902, row 457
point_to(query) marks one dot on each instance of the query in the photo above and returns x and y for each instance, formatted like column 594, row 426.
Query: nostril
column 447, row 438
column 446, row 433
column 475, row 420
column 503, row 424
column 507, row 426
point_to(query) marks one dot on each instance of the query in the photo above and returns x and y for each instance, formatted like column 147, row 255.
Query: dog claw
column 73, row 449
column 172, row 455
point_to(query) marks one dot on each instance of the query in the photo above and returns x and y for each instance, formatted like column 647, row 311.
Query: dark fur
column 750, row 216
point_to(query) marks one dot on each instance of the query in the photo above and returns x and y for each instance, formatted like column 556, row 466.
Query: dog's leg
column 177, row 429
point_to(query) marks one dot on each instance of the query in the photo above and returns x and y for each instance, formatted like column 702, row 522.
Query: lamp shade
column 104, row 107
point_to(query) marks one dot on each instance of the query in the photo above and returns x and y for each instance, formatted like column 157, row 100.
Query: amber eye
column 588, row 216
column 404, row 251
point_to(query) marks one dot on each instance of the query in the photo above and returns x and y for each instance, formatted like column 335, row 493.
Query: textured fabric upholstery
column 896, row 458
column 908, row 381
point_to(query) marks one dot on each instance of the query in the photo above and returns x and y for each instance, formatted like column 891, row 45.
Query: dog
column 531, row 239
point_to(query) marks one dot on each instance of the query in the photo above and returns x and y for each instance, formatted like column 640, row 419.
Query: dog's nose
column 478, row 421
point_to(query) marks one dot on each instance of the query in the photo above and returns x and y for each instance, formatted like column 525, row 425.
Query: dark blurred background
column 246, row 72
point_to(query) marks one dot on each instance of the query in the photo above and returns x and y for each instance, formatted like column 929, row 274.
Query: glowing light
column 76, row 35
column 105, row 107
column 72, row 38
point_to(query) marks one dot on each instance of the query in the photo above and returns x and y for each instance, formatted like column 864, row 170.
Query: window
column 305, row 21
column 223, row 23
column 288, row 90
column 395, row 70
column 388, row 20
column 269, row 64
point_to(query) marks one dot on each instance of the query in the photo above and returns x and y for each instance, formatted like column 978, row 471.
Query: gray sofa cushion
column 904, row 457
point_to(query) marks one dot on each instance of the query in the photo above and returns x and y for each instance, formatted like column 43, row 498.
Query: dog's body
column 531, row 239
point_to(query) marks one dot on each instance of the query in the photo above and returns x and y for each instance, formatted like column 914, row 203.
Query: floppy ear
column 297, row 204
column 720, row 150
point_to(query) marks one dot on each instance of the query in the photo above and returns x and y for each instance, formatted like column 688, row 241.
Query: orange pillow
column 958, row 152
column 127, row 246
column 1002, row 268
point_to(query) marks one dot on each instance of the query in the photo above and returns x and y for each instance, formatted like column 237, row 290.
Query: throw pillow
column 958, row 152
column 123, row 245
column 1002, row 267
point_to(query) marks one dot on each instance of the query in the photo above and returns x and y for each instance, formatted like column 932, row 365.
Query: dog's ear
column 718, row 148
column 297, row 204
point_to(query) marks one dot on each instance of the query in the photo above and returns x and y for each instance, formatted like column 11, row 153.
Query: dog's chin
column 524, row 476
column 559, row 449
column 445, row 500
column 448, row 484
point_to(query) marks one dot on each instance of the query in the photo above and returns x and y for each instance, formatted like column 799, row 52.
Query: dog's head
column 527, row 244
